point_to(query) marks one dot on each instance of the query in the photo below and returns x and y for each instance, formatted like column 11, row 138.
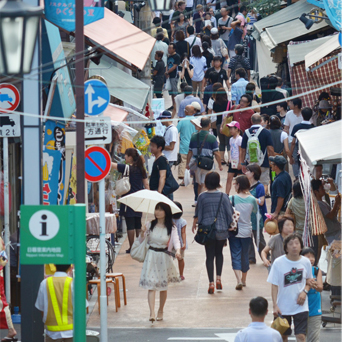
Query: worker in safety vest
column 54, row 299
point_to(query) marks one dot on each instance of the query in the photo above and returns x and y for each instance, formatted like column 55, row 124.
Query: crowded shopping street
column 170, row 170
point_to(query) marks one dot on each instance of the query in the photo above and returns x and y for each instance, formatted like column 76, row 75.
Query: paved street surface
column 190, row 313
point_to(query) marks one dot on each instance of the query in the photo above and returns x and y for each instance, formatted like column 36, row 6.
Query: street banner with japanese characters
column 63, row 13
column 51, row 165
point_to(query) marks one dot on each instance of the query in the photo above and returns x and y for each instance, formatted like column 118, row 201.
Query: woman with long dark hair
column 158, row 269
column 138, row 181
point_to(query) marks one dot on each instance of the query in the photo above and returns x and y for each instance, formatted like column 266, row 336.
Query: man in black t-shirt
column 160, row 165
column 222, row 74
column 173, row 60
column 158, row 74
column 304, row 125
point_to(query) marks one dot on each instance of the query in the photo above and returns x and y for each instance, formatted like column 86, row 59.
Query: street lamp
column 18, row 33
column 160, row 5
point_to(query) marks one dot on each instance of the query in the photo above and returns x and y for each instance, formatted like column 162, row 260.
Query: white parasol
column 145, row 201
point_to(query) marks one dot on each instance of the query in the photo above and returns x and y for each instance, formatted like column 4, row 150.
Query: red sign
column 9, row 97
column 97, row 163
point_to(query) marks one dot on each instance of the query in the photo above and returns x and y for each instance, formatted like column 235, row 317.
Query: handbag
column 204, row 162
column 139, row 250
column 223, row 49
column 234, row 225
column 228, row 119
column 123, row 185
column 171, row 185
column 206, row 233
column 168, row 85
column 280, row 324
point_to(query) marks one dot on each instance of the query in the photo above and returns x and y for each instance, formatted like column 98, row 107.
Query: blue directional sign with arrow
column 96, row 97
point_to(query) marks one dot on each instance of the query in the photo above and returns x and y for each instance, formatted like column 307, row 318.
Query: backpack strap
column 258, row 132
column 193, row 42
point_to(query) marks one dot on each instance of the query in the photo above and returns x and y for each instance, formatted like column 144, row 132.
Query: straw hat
column 271, row 226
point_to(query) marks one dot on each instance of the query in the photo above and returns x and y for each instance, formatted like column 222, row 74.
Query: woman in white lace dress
column 158, row 268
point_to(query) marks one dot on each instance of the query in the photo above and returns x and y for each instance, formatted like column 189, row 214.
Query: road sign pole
column 103, row 298
column 6, row 217
column 80, row 273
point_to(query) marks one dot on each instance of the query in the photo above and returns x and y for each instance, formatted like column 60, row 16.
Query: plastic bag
column 2, row 195
column 168, row 85
column 187, row 177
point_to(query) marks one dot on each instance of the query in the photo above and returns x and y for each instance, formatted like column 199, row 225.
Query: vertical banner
column 51, row 164
column 158, row 106
column 73, row 182
column 54, row 139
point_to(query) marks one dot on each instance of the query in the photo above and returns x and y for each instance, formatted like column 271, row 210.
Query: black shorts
column 133, row 223
column 235, row 171
column 300, row 322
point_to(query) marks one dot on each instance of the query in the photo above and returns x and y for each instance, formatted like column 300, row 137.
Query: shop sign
column 51, row 166
column 62, row 14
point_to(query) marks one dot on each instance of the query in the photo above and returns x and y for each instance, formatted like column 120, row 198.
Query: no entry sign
column 9, row 97
column 97, row 163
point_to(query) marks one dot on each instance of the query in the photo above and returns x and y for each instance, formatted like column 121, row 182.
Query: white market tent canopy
column 321, row 145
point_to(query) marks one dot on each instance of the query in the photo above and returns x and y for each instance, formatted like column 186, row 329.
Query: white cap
column 196, row 105
column 214, row 30
column 196, row 122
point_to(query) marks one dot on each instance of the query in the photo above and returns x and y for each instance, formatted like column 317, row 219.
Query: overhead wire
column 176, row 119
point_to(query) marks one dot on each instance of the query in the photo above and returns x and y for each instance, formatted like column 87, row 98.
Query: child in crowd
column 180, row 223
column 314, row 298
column 234, row 167
column 276, row 243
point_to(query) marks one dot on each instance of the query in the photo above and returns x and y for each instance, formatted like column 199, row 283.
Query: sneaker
column 194, row 205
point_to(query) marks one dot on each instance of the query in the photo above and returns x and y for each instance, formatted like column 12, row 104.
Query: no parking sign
column 97, row 163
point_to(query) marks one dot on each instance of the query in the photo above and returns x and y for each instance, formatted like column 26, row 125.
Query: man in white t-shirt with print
column 291, row 279
column 258, row 331
column 293, row 117
column 171, row 138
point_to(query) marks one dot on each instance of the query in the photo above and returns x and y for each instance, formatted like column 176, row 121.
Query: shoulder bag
column 123, row 185
column 221, row 30
column 171, row 185
column 206, row 233
column 234, row 228
column 228, row 119
column 139, row 250
column 204, row 162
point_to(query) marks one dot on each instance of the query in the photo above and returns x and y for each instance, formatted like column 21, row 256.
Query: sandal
column 239, row 286
column 218, row 284
column 211, row 289
column 9, row 339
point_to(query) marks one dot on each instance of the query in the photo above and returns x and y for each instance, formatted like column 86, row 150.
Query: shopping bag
column 168, row 85
column 139, row 250
column 280, row 324
column 187, row 177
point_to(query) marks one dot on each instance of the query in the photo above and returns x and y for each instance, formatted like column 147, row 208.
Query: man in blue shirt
column 185, row 129
column 239, row 87
column 281, row 187
column 189, row 98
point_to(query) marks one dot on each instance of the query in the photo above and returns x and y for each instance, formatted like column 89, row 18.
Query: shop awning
column 297, row 52
column 312, row 149
column 120, row 40
column 285, row 25
column 115, row 114
column 322, row 51
column 120, row 84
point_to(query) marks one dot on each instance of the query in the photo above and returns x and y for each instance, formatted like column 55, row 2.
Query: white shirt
column 291, row 119
column 283, row 136
column 190, row 39
column 178, row 99
column 290, row 277
column 171, row 135
column 189, row 3
column 257, row 332
column 42, row 305
column 159, row 46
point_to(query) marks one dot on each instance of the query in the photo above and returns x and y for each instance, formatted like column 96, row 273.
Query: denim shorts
column 239, row 248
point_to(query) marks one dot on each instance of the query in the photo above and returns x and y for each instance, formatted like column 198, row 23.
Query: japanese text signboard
column 98, row 131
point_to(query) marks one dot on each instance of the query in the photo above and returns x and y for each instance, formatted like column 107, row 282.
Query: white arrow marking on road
column 229, row 337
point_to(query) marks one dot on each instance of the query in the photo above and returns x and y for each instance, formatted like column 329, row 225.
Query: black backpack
column 239, row 65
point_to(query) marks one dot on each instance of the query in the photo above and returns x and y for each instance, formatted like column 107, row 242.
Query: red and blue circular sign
column 97, row 163
column 9, row 97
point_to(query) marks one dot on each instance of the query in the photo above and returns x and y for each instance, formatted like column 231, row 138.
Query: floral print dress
column 158, row 268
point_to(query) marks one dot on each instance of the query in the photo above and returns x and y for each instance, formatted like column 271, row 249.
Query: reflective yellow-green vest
column 60, row 309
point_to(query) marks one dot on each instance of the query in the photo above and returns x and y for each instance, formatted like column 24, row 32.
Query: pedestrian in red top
column 243, row 117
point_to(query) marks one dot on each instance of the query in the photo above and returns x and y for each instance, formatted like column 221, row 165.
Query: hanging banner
column 73, row 182
column 62, row 13
column 51, row 164
column 54, row 139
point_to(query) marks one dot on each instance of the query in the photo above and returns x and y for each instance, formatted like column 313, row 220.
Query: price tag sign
column 46, row 234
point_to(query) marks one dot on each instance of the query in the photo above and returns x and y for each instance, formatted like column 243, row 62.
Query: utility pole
column 144, row 23
column 79, row 66
column 32, row 327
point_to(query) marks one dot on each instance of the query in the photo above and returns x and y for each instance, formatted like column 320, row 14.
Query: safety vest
column 60, row 309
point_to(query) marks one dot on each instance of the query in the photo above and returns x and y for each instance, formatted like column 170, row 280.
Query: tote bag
column 228, row 119
column 123, row 185
column 139, row 250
